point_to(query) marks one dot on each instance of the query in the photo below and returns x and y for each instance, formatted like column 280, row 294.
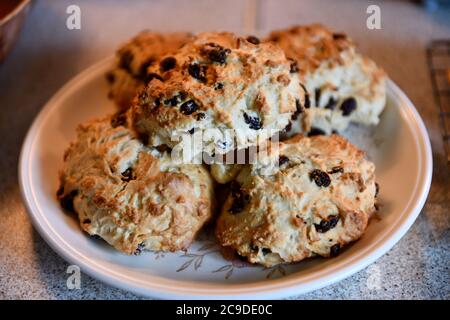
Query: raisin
column 348, row 106
column 326, row 224
column 307, row 101
column 253, row 122
column 217, row 53
column 218, row 86
column 299, row 109
column 334, row 250
column 282, row 160
column 188, row 107
column 197, row 71
column 337, row 36
column 152, row 76
column 118, row 119
column 253, row 39
column 315, row 132
column 67, row 200
column 139, row 249
column 172, row 101
column 200, row 116
column 191, row 131
column 288, row 127
column 336, row 170
column 167, row 64
column 143, row 69
column 254, row 248
column 156, row 102
column 127, row 175
column 317, row 94
column 96, row 237
column 377, row 189
column 240, row 199
column 293, row 68
column 110, row 77
column 86, row 221
column 265, row 251
column 125, row 61
column 331, row 104
column 322, row 179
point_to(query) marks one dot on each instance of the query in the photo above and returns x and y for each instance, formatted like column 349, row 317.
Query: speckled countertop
column 48, row 54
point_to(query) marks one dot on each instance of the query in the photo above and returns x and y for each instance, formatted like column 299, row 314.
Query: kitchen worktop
column 48, row 54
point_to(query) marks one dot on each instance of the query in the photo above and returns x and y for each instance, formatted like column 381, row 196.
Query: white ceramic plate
column 399, row 146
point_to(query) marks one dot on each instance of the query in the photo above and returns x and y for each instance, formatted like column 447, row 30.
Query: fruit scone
column 130, row 195
column 132, row 60
column 343, row 86
column 304, row 197
column 224, row 91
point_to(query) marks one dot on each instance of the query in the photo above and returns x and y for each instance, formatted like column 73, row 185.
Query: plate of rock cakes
column 227, row 166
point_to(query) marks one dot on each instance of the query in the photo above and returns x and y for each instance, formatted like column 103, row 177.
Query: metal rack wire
column 438, row 55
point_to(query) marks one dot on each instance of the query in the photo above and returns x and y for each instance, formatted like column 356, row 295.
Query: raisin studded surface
column 240, row 199
column 336, row 170
column 317, row 94
column 139, row 249
column 307, row 101
column 152, row 76
column 315, row 132
column 218, row 86
column 253, row 39
column 326, row 224
column 189, row 107
column 298, row 110
column 197, row 71
column 331, row 104
column 282, row 160
column 118, row 119
column 377, row 189
column 253, row 122
column 125, row 61
column 293, row 68
column 200, row 116
column 167, row 64
column 348, row 106
column 143, row 69
column 335, row 249
column 128, row 175
column 322, row 179
column 67, row 201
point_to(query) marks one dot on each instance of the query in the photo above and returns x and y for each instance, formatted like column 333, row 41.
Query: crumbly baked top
column 305, row 197
column 219, row 81
column 133, row 59
column 132, row 196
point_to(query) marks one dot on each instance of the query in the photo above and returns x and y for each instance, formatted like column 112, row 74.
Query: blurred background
column 47, row 54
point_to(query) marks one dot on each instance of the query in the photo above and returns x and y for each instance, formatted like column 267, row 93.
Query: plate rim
column 278, row 288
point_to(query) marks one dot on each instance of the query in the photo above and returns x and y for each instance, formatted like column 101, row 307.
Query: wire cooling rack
column 438, row 54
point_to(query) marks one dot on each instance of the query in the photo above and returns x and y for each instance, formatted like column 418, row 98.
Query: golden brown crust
column 306, row 197
column 218, row 81
column 343, row 85
column 133, row 59
column 134, row 197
